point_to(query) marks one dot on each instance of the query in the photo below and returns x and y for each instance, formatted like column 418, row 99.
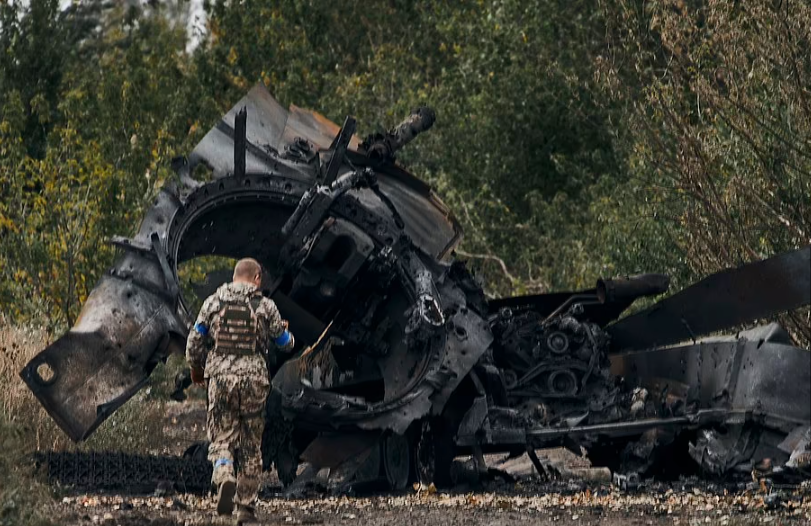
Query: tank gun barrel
column 380, row 147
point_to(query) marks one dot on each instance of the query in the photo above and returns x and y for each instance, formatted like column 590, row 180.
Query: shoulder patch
column 201, row 329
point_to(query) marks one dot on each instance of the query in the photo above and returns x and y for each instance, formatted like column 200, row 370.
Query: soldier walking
column 227, row 349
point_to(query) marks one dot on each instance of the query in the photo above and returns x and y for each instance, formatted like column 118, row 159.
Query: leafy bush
column 572, row 141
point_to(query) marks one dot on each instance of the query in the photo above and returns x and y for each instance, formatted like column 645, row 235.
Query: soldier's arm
column 200, row 335
column 277, row 330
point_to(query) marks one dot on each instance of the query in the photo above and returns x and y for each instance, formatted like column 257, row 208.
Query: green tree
column 721, row 142
column 112, row 109
column 574, row 140
column 519, row 138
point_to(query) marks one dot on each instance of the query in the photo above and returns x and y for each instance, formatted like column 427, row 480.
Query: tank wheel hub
column 396, row 460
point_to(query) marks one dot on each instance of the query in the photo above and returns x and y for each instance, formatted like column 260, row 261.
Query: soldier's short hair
column 247, row 269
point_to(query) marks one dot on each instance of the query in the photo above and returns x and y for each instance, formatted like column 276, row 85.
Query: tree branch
column 513, row 279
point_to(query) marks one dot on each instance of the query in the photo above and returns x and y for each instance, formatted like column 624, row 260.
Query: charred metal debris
column 403, row 363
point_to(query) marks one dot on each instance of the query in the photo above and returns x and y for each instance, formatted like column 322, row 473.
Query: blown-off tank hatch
column 402, row 364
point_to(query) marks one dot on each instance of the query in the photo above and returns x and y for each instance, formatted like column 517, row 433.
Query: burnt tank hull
column 401, row 362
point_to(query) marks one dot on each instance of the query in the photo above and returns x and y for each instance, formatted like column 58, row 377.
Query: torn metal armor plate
column 399, row 352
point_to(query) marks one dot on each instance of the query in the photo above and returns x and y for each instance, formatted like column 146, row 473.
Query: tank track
column 125, row 472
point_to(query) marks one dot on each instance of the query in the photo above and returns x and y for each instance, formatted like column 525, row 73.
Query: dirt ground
column 688, row 502
column 483, row 507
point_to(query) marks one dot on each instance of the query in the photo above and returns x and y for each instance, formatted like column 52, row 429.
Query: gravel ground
column 505, row 505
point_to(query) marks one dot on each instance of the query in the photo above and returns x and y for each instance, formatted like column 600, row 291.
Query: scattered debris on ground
column 684, row 502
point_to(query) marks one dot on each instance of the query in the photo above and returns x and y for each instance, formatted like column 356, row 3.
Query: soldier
column 227, row 349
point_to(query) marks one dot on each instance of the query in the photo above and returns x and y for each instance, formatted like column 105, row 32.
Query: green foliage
column 112, row 110
column 719, row 107
column 195, row 273
column 56, row 229
column 574, row 139
column 519, row 136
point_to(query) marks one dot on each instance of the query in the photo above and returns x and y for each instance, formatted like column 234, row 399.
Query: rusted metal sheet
column 316, row 128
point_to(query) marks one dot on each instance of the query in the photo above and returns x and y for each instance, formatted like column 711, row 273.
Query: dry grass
column 22, row 424
column 25, row 427
column 23, row 500
column 18, row 406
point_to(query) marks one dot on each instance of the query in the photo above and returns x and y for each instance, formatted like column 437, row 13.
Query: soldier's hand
column 198, row 376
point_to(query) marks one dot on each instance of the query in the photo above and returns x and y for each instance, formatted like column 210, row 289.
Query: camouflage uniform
column 238, row 382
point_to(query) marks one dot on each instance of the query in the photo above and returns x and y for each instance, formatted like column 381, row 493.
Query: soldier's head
column 248, row 270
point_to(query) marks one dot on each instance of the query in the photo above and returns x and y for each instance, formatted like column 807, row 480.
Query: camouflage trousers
column 235, row 421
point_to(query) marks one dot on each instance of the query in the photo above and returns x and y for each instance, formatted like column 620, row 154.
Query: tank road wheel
column 396, row 460
column 433, row 454
column 287, row 464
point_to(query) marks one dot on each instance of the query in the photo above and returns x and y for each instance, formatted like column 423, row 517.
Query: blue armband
column 283, row 339
column 201, row 329
column 222, row 462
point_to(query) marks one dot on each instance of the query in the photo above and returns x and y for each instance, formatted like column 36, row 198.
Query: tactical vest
column 236, row 329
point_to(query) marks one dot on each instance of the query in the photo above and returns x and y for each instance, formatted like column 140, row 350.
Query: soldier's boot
column 246, row 516
column 225, row 496
column 225, row 484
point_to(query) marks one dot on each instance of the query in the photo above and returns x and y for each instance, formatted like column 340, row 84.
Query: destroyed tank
column 402, row 363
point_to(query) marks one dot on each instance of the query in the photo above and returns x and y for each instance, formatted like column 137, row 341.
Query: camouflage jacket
column 201, row 337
